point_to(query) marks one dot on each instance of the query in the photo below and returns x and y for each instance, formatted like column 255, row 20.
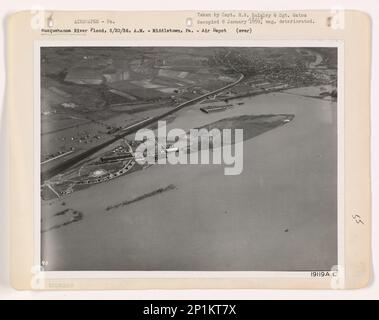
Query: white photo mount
column 328, row 29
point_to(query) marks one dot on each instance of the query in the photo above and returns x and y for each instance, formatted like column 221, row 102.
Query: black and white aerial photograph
column 188, row 158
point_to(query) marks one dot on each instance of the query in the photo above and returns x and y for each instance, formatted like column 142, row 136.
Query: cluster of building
column 273, row 73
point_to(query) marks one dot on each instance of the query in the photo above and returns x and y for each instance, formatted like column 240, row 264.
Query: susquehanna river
column 280, row 214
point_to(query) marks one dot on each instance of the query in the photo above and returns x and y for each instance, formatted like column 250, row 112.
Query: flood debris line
column 144, row 196
column 60, row 219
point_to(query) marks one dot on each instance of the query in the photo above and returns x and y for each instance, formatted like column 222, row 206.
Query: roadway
column 51, row 172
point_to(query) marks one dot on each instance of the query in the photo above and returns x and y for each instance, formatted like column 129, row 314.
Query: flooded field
column 280, row 214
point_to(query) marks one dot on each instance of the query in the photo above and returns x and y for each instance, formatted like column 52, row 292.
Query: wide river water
column 279, row 214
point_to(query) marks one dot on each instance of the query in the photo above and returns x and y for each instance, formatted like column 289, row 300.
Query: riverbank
column 280, row 214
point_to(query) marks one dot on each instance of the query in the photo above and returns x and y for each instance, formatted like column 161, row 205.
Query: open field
column 287, row 184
